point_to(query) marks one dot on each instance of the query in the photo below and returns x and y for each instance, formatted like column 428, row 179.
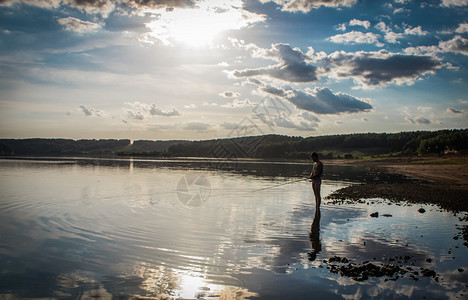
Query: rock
column 374, row 215
column 428, row 273
column 421, row 210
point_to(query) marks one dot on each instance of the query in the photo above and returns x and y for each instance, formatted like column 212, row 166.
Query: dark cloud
column 274, row 90
column 379, row 68
column 323, row 101
column 292, row 66
column 454, row 111
column 308, row 5
column 422, row 120
column 229, row 94
column 103, row 7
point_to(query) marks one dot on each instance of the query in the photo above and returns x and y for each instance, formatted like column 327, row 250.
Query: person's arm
column 313, row 174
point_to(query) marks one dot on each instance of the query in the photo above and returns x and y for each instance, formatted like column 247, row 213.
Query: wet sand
column 446, row 176
column 449, row 172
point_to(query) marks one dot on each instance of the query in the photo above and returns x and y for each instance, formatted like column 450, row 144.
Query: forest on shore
column 271, row 146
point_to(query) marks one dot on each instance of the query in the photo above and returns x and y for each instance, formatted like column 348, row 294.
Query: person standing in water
column 315, row 175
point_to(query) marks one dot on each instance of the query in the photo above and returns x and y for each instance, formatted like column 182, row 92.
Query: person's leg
column 316, row 188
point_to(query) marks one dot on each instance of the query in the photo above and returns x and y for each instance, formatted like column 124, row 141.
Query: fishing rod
column 281, row 184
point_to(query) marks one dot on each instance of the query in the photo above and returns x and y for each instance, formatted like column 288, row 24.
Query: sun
column 200, row 25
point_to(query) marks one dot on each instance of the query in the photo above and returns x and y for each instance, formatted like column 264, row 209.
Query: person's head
column 314, row 156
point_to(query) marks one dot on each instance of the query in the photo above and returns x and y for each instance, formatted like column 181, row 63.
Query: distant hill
column 264, row 146
column 42, row 147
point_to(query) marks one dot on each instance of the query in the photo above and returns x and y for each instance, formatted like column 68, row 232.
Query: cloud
column 420, row 121
column 196, row 126
column 370, row 69
column 229, row 94
column 308, row 116
column 77, row 25
column 356, row 22
column 205, row 103
column 155, row 111
column 454, row 111
column 292, row 66
column 390, row 36
column 457, row 45
column 239, row 103
column 91, row 111
column 49, row 4
column 356, row 37
column 400, row 10
column 139, row 111
column 462, row 28
column 301, row 125
column 449, row 3
column 135, row 115
column 102, row 7
column 415, row 31
column 308, row 5
column 274, row 90
column 158, row 4
column 322, row 101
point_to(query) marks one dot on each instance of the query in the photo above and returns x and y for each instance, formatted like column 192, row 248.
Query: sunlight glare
column 200, row 25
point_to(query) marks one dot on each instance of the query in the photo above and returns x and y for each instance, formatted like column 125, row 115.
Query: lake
column 77, row 228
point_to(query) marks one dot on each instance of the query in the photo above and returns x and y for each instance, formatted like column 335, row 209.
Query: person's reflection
column 314, row 236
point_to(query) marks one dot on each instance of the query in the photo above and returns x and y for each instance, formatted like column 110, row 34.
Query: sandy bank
column 448, row 172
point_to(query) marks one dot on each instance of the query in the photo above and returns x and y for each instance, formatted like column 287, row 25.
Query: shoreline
column 447, row 172
column 442, row 182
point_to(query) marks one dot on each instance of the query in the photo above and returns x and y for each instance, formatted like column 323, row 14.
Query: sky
column 194, row 69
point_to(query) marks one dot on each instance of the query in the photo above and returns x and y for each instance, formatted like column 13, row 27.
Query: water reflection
column 116, row 228
column 315, row 235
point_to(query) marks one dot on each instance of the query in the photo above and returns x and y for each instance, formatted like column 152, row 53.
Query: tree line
column 265, row 146
column 330, row 146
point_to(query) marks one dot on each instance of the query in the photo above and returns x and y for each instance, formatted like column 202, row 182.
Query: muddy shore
column 443, row 182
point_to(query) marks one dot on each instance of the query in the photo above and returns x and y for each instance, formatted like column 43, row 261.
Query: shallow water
column 80, row 228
